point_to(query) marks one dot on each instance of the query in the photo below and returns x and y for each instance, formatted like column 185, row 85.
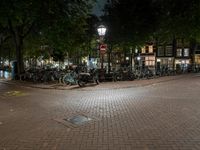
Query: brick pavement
column 164, row 116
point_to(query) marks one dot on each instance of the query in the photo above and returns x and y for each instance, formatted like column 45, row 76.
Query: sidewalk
column 102, row 85
column 155, row 114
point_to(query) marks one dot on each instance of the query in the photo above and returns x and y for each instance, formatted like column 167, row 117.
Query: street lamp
column 138, row 58
column 101, row 32
column 139, row 62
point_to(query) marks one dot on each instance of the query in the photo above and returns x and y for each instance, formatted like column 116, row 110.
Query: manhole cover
column 78, row 120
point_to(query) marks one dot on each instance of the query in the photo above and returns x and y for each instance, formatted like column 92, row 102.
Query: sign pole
column 102, row 49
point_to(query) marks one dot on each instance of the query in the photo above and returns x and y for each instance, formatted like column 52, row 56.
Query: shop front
column 165, row 62
column 182, row 65
column 197, row 59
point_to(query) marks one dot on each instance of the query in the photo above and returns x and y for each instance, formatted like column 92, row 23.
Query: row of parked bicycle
column 78, row 75
column 82, row 75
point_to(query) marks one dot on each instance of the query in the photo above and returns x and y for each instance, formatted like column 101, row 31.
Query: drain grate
column 78, row 120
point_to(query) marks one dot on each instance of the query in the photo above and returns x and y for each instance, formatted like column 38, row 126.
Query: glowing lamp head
column 101, row 30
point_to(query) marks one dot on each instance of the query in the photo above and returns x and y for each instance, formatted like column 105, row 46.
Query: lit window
column 150, row 61
column 179, row 52
column 187, row 61
column 186, row 52
column 151, row 49
column 197, row 59
column 136, row 50
column 143, row 50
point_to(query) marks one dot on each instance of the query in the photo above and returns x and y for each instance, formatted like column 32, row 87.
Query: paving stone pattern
column 150, row 116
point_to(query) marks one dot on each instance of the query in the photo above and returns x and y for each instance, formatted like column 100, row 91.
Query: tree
column 130, row 21
column 60, row 22
column 66, row 32
column 20, row 17
column 5, row 48
column 136, row 21
column 178, row 19
column 130, row 24
column 90, row 38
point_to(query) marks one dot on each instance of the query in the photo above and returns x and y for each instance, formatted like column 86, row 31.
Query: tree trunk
column 131, row 59
column 109, row 58
column 1, row 53
column 19, row 54
column 0, row 58
column 18, row 40
column 9, row 57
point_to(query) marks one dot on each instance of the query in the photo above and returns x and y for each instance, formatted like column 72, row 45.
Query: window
column 168, row 50
column 150, row 61
column 146, row 49
column 136, row 50
column 186, row 52
column 143, row 50
column 197, row 59
column 197, row 52
column 179, row 52
column 151, row 49
column 160, row 51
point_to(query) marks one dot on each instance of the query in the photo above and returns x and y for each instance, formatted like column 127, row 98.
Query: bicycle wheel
column 97, row 81
column 66, row 79
column 81, row 83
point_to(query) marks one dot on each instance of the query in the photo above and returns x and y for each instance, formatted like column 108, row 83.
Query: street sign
column 103, row 48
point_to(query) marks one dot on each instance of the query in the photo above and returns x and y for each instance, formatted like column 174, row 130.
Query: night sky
column 98, row 7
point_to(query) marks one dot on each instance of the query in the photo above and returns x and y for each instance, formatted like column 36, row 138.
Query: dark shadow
column 87, row 85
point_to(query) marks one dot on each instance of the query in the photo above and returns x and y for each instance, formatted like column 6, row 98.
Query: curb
column 58, row 87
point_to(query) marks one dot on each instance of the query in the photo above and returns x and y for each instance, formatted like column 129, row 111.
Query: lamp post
column 101, row 32
column 139, row 62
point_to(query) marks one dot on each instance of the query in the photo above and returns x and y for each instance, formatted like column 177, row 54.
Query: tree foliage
column 59, row 24
column 178, row 18
column 136, row 21
column 130, row 21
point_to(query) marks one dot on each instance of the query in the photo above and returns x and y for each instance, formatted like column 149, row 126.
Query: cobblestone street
column 157, row 114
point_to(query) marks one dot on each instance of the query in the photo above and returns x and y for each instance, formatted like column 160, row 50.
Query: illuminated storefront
column 165, row 62
column 182, row 64
column 197, row 59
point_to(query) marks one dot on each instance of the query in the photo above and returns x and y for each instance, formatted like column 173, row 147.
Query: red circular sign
column 103, row 48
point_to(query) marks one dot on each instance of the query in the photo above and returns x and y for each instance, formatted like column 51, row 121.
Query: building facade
column 175, row 55
column 183, row 54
